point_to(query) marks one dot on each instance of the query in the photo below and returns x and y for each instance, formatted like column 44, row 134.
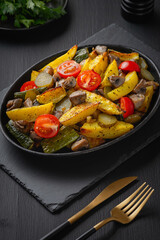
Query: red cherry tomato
column 69, row 68
column 46, row 126
column 27, row 86
column 89, row 80
column 129, row 66
column 127, row 106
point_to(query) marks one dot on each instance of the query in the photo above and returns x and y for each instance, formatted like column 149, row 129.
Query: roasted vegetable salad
column 81, row 99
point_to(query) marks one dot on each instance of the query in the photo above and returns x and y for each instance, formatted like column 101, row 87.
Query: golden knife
column 109, row 191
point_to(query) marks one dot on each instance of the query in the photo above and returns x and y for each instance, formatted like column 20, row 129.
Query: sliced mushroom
column 15, row 103
column 23, row 126
column 49, row 70
column 77, row 97
column 99, row 91
column 57, row 114
column 36, row 103
column 67, row 83
column 100, row 49
column 137, row 100
column 81, row 143
column 34, row 136
column 152, row 83
column 140, row 87
column 116, row 81
column 28, row 103
column 121, row 73
column 56, row 77
column 112, row 57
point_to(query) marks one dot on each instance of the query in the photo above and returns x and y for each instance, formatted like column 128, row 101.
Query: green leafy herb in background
column 28, row 12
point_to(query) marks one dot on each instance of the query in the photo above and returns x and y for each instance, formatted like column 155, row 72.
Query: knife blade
column 106, row 193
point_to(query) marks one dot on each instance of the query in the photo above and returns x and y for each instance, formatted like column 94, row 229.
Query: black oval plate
column 26, row 75
column 9, row 27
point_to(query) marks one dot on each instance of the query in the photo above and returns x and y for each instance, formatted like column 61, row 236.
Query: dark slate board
column 55, row 182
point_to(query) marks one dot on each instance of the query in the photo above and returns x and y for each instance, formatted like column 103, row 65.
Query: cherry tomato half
column 27, row 86
column 129, row 66
column 89, row 80
column 127, row 106
column 68, row 69
column 46, row 126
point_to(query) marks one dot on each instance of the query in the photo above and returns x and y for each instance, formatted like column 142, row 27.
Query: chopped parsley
column 28, row 12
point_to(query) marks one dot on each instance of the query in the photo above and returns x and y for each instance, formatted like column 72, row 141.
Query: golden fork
column 124, row 212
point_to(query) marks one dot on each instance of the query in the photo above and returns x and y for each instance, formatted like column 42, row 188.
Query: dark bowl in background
column 67, row 153
column 10, row 28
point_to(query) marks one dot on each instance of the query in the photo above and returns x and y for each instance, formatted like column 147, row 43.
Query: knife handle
column 57, row 230
column 87, row 234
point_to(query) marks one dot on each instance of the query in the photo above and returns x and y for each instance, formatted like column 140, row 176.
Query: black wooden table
column 21, row 216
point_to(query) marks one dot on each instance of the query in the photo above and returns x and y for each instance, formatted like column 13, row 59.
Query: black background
column 21, row 216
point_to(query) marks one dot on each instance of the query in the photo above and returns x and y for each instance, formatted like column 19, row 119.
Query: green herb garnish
column 28, row 12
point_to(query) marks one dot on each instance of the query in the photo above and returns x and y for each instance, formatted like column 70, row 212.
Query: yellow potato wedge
column 105, row 120
column 147, row 100
column 131, row 81
column 105, row 105
column 30, row 113
column 78, row 113
column 52, row 95
column 67, row 56
column 111, row 70
column 86, row 64
column 93, row 54
column 34, row 74
column 99, row 64
column 95, row 142
column 125, row 56
column 94, row 130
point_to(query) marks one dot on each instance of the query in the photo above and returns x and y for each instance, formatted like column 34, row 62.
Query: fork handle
column 95, row 228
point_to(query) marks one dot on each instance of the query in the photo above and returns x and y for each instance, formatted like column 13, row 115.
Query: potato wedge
column 67, row 56
column 86, row 64
column 34, row 74
column 111, row 70
column 105, row 105
column 125, row 56
column 105, row 120
column 99, row 64
column 78, row 113
column 131, row 81
column 93, row 54
column 147, row 100
column 52, row 95
column 30, row 113
column 94, row 130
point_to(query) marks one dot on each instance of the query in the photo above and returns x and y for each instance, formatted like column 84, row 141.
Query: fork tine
column 134, row 200
column 135, row 213
column 127, row 200
column 138, row 202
